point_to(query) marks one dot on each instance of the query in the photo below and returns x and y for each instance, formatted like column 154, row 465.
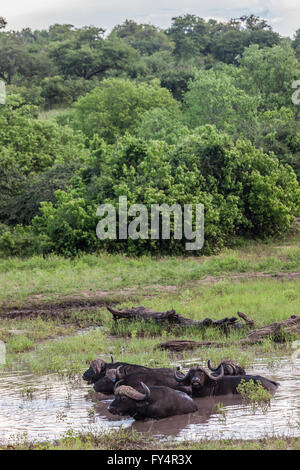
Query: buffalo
column 151, row 377
column 99, row 368
column 205, row 383
column 151, row 402
column 107, row 382
column 230, row 368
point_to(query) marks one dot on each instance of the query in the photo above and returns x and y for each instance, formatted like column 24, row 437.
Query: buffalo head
column 106, row 383
column 200, row 379
column 230, row 368
column 128, row 399
column 95, row 371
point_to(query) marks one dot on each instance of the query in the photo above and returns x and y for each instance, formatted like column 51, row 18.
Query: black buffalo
column 99, row 368
column 151, row 402
column 230, row 368
column 152, row 377
column 205, row 384
column 132, row 375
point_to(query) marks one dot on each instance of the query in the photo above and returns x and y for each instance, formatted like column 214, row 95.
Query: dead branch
column 276, row 331
column 180, row 345
column 171, row 317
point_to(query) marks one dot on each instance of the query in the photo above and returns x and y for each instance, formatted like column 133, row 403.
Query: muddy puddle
column 44, row 408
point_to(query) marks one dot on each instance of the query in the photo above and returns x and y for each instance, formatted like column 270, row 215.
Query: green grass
column 124, row 439
column 264, row 301
column 53, row 278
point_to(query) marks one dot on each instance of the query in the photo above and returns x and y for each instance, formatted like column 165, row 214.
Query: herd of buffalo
column 143, row 392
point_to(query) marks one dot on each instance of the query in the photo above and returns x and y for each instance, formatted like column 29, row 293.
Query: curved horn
column 130, row 392
column 112, row 359
column 117, row 385
column 218, row 377
column 211, row 368
column 180, row 379
column 230, row 367
column 147, row 391
column 98, row 365
column 119, row 375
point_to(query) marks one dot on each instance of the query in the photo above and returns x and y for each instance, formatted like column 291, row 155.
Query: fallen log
column 246, row 319
column 276, row 331
column 181, row 345
column 171, row 317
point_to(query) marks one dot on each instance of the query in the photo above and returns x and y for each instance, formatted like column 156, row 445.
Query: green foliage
column 18, row 241
column 145, row 38
column 198, row 113
column 243, row 191
column 14, row 57
column 57, row 90
column 69, row 228
column 278, row 131
column 160, row 124
column 213, row 98
column 254, row 393
column 116, row 106
column 31, row 144
column 271, row 72
column 38, row 188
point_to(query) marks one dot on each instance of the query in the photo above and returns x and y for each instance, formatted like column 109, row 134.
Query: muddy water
column 46, row 407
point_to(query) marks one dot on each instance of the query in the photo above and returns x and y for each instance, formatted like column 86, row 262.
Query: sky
column 282, row 15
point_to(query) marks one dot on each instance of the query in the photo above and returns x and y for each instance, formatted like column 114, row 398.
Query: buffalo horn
column 130, row 392
column 218, row 377
column 230, row 367
column 212, row 368
column 119, row 374
column 146, row 389
column 179, row 378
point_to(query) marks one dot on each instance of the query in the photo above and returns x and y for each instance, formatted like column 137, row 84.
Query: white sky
column 283, row 15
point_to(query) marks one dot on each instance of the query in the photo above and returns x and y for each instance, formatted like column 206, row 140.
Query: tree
column 33, row 144
column 227, row 45
column 145, row 38
column 244, row 191
column 296, row 43
column 190, row 35
column 253, row 22
column 214, row 98
column 116, row 106
column 278, row 131
column 84, row 53
column 14, row 58
column 161, row 124
column 271, row 71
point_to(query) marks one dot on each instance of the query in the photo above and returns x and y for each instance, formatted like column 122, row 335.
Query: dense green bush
column 116, row 106
column 243, row 191
column 33, row 144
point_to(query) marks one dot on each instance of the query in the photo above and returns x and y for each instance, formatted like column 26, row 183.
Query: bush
column 243, row 191
column 117, row 105
column 18, row 241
